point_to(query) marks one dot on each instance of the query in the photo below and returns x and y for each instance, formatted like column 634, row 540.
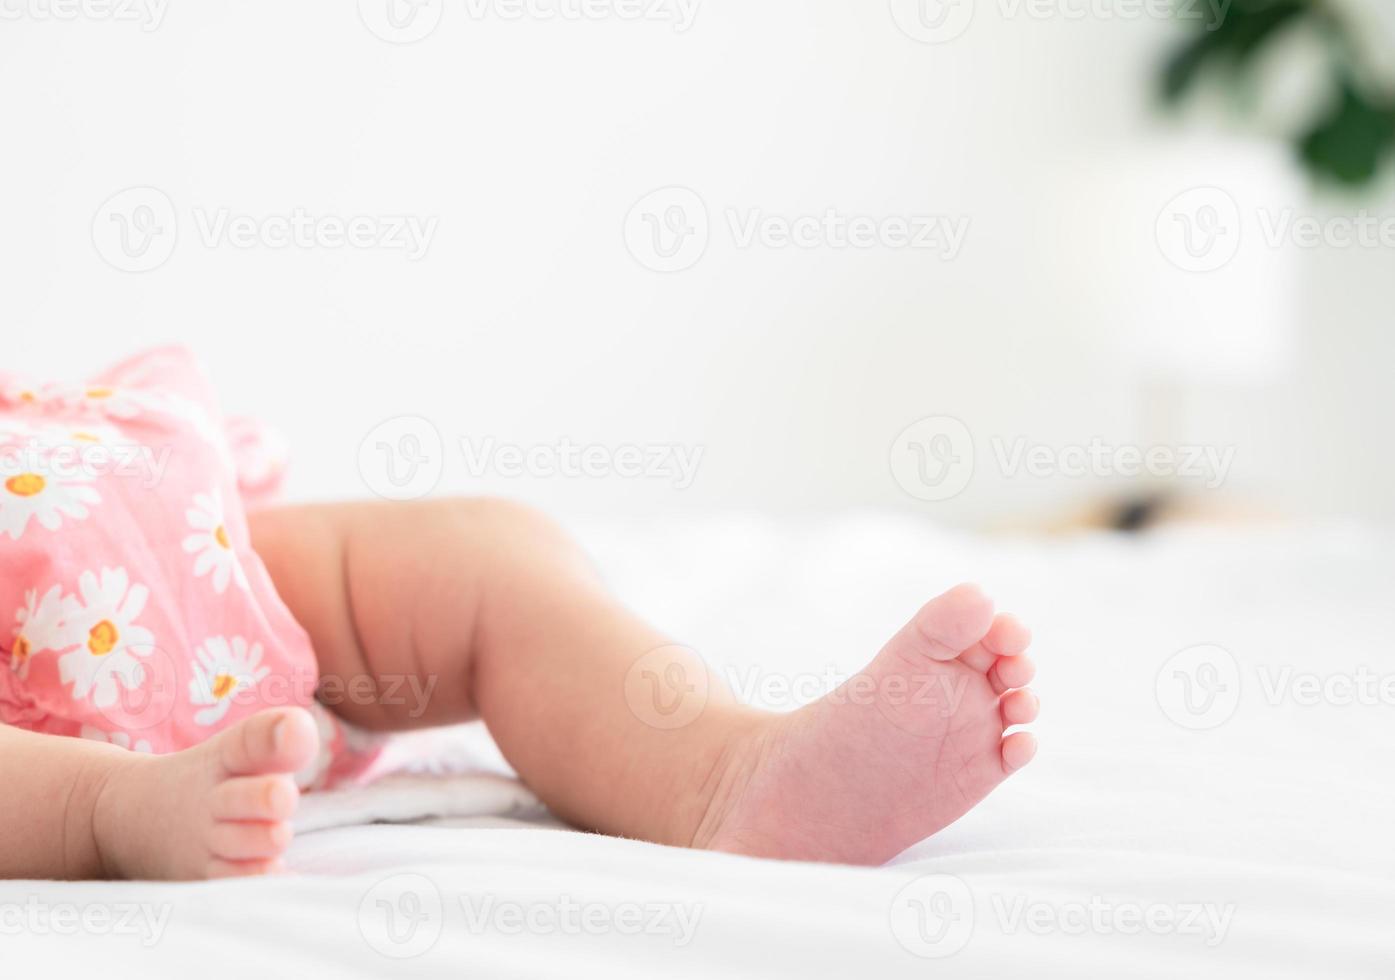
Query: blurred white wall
column 528, row 321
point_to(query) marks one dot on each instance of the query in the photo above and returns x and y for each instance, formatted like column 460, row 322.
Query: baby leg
column 490, row 608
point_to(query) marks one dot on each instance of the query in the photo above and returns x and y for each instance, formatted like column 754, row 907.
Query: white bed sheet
column 1262, row 847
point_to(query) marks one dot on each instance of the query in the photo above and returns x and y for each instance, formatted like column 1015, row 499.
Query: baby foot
column 894, row 755
column 217, row 810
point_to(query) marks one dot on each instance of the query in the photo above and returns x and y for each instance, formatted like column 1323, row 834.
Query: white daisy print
column 97, row 397
column 118, row 403
column 101, row 620
column 27, row 493
column 210, row 543
column 225, row 666
column 79, row 435
column 120, row 739
column 38, row 626
column 22, row 391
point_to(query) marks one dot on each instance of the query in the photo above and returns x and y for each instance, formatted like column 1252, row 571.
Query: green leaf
column 1349, row 142
column 1231, row 43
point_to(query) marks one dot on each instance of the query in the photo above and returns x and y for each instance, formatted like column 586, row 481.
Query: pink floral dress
column 138, row 612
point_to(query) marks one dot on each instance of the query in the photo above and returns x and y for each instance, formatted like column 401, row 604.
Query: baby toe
column 275, row 741
column 949, row 624
column 249, row 841
column 1009, row 636
column 1010, row 672
column 1019, row 707
column 1018, row 750
column 1006, row 637
column 255, row 798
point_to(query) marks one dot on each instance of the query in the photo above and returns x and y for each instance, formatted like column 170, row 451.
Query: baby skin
column 504, row 619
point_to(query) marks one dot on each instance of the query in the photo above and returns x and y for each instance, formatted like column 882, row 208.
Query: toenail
column 288, row 796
